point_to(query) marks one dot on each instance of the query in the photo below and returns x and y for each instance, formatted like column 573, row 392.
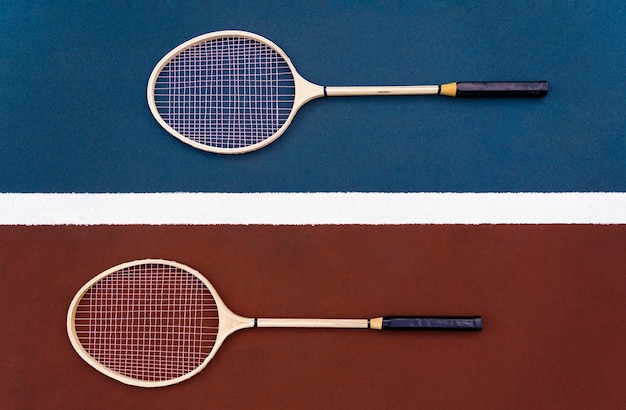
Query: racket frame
column 229, row 322
column 305, row 91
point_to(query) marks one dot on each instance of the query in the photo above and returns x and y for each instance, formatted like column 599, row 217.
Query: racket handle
column 474, row 323
column 535, row 89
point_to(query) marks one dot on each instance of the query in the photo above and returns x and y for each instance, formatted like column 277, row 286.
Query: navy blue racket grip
column 533, row 89
column 471, row 323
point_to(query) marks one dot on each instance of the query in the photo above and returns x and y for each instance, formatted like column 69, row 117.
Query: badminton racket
column 154, row 322
column 232, row 92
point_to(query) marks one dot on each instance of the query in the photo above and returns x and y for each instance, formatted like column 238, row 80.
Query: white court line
column 312, row 208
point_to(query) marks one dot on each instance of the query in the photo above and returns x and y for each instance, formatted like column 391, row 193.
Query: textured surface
column 551, row 298
column 75, row 118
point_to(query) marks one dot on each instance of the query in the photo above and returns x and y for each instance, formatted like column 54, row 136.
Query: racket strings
column 226, row 93
column 150, row 322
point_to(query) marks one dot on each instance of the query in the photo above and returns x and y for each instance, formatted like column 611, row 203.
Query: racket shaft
column 375, row 90
column 314, row 323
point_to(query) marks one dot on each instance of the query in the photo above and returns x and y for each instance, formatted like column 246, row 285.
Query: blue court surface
column 75, row 117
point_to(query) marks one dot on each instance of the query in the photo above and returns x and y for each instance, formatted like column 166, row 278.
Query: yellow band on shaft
column 448, row 90
column 376, row 323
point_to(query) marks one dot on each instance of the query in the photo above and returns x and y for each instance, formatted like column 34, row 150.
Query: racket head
column 227, row 92
column 149, row 323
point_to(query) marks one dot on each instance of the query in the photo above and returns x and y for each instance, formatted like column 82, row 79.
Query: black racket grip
column 474, row 323
column 534, row 89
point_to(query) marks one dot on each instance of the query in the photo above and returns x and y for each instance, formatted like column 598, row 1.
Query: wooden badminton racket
column 232, row 91
column 154, row 322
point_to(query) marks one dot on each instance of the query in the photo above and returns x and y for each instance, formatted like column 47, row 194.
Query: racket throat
column 305, row 91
